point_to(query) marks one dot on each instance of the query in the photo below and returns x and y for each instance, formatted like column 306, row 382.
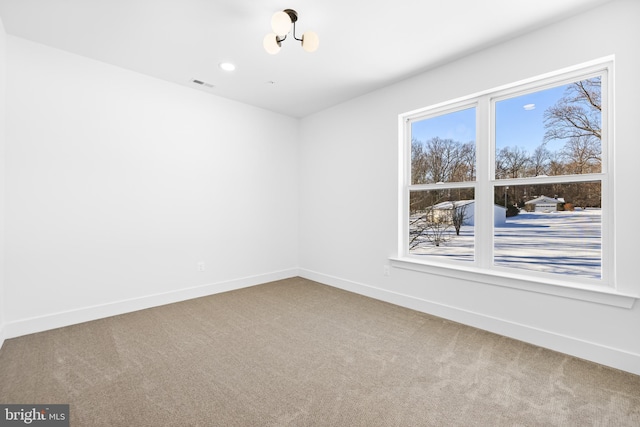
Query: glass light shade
column 271, row 43
column 310, row 41
column 281, row 23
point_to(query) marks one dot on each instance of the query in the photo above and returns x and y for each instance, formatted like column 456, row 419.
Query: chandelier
column 282, row 24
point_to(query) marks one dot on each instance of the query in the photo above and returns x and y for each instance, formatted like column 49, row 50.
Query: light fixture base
column 292, row 14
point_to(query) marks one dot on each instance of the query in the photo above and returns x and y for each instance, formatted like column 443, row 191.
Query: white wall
column 119, row 184
column 348, row 192
column 3, row 62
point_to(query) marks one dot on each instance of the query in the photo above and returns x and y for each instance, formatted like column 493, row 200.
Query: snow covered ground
column 558, row 242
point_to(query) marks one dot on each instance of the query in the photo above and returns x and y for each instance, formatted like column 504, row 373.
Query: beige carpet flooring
column 298, row 353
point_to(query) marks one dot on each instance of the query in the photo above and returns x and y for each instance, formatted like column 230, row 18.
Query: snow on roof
column 542, row 199
column 449, row 205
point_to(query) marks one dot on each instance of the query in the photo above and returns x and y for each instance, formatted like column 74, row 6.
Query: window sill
column 600, row 295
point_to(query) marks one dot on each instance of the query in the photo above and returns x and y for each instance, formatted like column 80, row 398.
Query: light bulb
column 310, row 41
column 227, row 66
column 271, row 43
column 281, row 23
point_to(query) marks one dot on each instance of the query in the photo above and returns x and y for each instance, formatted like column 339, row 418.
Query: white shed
column 543, row 204
column 499, row 212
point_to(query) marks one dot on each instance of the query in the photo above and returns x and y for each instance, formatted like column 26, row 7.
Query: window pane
column 556, row 131
column 443, row 148
column 441, row 223
column 553, row 228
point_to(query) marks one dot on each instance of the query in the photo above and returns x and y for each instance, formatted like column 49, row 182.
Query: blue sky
column 459, row 126
column 516, row 126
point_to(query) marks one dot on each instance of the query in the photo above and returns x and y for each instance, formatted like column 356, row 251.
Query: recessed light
column 227, row 66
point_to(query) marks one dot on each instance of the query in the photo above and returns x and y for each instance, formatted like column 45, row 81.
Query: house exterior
column 543, row 204
column 441, row 209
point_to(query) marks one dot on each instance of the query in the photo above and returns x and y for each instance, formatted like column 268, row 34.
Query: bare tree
column 556, row 165
column 418, row 162
column 468, row 162
column 583, row 155
column 540, row 160
column 458, row 215
column 443, row 158
column 577, row 114
column 432, row 226
column 428, row 223
column 511, row 162
column 577, row 119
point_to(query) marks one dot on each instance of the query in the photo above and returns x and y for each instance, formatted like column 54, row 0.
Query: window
column 513, row 182
column 441, row 206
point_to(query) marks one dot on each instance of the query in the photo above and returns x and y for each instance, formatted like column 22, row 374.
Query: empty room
column 241, row 213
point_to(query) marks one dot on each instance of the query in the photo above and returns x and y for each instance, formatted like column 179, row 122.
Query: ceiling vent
column 202, row 84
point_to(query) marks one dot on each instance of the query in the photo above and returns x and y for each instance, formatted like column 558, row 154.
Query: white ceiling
column 364, row 44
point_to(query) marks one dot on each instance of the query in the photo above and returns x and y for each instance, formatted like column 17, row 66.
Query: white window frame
column 481, row 269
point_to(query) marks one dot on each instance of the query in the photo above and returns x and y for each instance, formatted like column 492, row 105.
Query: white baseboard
column 612, row 357
column 57, row 320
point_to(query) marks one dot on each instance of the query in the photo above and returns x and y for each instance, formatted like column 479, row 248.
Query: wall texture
column 118, row 185
column 349, row 194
